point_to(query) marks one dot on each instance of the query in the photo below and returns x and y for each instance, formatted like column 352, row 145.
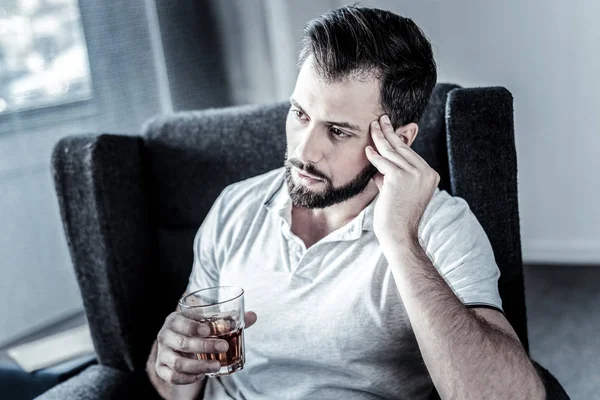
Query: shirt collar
column 280, row 203
column 368, row 213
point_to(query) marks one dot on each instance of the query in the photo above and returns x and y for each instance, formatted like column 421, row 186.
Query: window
column 116, row 92
column 43, row 56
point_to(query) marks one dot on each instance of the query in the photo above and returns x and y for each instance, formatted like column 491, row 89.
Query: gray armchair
column 132, row 204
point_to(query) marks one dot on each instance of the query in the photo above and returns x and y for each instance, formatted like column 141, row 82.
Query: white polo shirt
column 331, row 323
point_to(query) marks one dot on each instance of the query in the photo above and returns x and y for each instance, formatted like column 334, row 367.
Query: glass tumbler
column 222, row 309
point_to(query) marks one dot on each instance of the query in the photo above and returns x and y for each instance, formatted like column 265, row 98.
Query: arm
column 469, row 354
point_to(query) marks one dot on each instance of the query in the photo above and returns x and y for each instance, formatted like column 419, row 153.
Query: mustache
column 308, row 168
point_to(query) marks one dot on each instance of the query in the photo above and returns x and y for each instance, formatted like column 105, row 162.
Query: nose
column 311, row 147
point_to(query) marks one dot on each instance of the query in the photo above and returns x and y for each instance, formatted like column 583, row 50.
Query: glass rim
column 214, row 304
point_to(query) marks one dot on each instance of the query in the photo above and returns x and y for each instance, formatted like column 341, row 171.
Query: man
column 369, row 282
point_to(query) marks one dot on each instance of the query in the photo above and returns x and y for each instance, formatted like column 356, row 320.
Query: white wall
column 546, row 54
column 37, row 282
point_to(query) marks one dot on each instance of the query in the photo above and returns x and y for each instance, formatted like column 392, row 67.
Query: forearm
column 170, row 391
column 465, row 356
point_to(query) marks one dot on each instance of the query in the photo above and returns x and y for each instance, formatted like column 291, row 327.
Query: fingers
column 189, row 366
column 190, row 344
column 385, row 148
column 179, row 335
column 176, row 378
column 390, row 134
column 179, row 323
column 250, row 318
column 383, row 165
column 411, row 156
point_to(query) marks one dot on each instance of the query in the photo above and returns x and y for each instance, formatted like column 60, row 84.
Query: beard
column 304, row 197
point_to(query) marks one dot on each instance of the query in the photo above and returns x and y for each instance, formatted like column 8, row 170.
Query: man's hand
column 179, row 340
column 406, row 184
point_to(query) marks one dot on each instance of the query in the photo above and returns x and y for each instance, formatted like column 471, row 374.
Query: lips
column 305, row 175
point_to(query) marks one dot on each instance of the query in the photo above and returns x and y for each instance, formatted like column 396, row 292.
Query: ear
column 408, row 133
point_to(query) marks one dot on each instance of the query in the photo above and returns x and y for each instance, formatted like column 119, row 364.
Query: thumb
column 378, row 179
column 250, row 318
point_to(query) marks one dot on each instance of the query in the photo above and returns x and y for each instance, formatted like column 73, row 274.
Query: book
column 53, row 349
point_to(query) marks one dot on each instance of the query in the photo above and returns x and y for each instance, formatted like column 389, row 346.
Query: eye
column 299, row 114
column 338, row 133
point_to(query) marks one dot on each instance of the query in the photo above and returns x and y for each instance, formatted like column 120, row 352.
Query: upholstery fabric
column 100, row 185
column 131, row 205
column 196, row 154
column 431, row 138
column 18, row 384
column 100, row 382
column 483, row 171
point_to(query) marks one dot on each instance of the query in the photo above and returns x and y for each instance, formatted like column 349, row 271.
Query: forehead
column 353, row 99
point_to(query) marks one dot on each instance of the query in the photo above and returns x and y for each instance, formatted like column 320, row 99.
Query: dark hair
column 354, row 41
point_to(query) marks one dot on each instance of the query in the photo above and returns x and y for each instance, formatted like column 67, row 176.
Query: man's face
column 327, row 131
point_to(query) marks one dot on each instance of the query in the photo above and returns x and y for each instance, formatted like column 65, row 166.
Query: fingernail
column 386, row 120
column 221, row 346
column 376, row 125
column 215, row 366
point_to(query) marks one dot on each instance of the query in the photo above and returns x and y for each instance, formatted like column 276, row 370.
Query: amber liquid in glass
column 233, row 359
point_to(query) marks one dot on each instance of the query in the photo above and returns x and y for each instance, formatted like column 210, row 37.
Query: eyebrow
column 346, row 125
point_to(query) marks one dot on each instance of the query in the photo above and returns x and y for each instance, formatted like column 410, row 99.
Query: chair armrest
column 554, row 390
column 100, row 382
column 101, row 187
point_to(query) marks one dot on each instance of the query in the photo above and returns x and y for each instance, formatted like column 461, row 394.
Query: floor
column 563, row 309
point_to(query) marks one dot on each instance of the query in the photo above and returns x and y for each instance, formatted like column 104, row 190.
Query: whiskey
column 233, row 359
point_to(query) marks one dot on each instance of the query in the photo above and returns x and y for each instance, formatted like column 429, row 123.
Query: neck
column 311, row 225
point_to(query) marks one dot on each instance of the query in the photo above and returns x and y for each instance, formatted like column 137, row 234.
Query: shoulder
column 250, row 194
column 447, row 217
column 443, row 207
column 460, row 250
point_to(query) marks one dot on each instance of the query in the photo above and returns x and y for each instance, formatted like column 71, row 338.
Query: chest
column 336, row 303
column 308, row 231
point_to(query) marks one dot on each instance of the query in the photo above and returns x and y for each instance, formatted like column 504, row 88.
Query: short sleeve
column 206, row 265
column 460, row 250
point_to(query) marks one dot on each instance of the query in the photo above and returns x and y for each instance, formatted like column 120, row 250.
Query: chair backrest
column 131, row 205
